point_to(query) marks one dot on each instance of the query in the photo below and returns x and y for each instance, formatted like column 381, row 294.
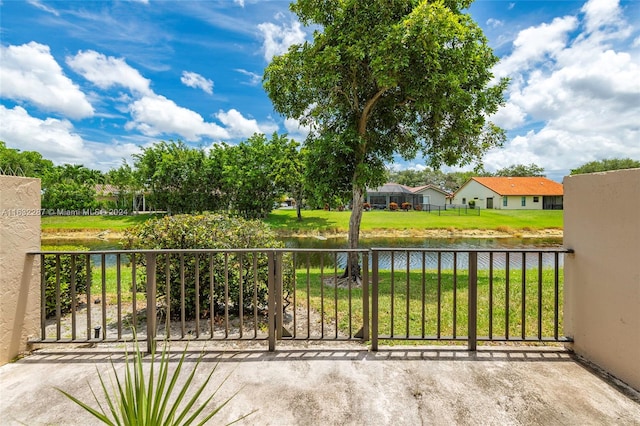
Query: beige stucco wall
column 602, row 278
column 514, row 202
column 474, row 191
column 19, row 273
column 436, row 198
column 479, row 193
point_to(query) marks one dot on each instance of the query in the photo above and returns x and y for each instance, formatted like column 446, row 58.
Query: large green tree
column 257, row 172
column 385, row 77
column 607, row 164
column 179, row 178
column 521, row 170
column 23, row 163
column 70, row 187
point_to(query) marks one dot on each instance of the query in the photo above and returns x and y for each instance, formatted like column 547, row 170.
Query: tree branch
column 362, row 123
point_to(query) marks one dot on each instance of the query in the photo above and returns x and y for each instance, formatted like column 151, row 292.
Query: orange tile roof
column 521, row 185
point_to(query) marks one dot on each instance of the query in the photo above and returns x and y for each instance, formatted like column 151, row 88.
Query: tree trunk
column 353, row 264
column 356, row 216
column 298, row 212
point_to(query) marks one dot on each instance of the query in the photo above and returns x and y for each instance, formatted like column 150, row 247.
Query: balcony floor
column 309, row 383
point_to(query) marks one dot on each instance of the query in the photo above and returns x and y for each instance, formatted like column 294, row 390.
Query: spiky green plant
column 144, row 400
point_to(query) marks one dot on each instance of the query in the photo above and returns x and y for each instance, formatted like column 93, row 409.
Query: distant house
column 110, row 195
column 106, row 193
column 381, row 197
column 513, row 193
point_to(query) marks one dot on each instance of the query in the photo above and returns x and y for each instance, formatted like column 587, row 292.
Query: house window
column 523, row 201
column 536, row 199
column 464, row 201
column 504, row 201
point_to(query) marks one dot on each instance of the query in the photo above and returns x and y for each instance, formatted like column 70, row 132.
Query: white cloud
column 254, row 79
column 534, row 44
column 509, row 116
column 601, row 13
column 30, row 73
column 239, row 126
column 239, row 2
column 106, row 72
column 156, row 115
column 296, row 130
column 55, row 139
column 44, row 7
column 579, row 98
column 277, row 39
column 494, row 23
column 110, row 155
column 195, row 80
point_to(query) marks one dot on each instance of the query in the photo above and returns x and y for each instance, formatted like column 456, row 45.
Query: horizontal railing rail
column 301, row 294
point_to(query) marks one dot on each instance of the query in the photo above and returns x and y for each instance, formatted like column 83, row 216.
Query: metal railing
column 301, row 294
column 467, row 295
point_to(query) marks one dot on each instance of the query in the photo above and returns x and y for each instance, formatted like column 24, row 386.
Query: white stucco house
column 513, row 193
column 423, row 196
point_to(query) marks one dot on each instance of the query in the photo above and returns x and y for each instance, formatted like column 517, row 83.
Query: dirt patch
column 107, row 235
column 103, row 235
column 302, row 322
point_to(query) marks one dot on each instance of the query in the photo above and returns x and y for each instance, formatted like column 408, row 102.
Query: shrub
column 50, row 269
column 418, row 207
column 472, row 204
column 366, row 206
column 209, row 231
column 393, row 206
column 150, row 398
column 406, row 206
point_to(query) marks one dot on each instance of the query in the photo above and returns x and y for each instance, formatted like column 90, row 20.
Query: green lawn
column 415, row 294
column 320, row 221
column 394, row 321
column 327, row 221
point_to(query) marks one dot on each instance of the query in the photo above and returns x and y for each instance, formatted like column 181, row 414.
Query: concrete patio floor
column 343, row 384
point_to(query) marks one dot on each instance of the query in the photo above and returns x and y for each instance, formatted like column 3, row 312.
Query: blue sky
column 90, row 82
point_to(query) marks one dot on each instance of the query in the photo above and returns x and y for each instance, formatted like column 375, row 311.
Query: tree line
column 248, row 179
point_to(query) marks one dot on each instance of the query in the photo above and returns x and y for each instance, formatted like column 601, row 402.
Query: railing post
column 374, row 300
column 151, row 302
column 365, row 296
column 271, row 310
column 473, row 300
column 279, row 296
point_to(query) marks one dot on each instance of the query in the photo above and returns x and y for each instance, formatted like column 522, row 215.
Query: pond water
column 398, row 259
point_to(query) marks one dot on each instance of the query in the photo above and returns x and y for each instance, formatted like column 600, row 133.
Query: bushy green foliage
column 178, row 178
column 605, row 165
column 65, row 267
column 70, row 187
column 224, row 272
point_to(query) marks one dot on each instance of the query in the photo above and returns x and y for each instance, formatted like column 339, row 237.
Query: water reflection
column 396, row 258
column 414, row 259
column 431, row 259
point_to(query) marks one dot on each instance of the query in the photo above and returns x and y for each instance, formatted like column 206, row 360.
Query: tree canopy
column 605, row 165
column 388, row 77
column 257, row 172
column 23, row 163
column 521, row 170
column 179, row 178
